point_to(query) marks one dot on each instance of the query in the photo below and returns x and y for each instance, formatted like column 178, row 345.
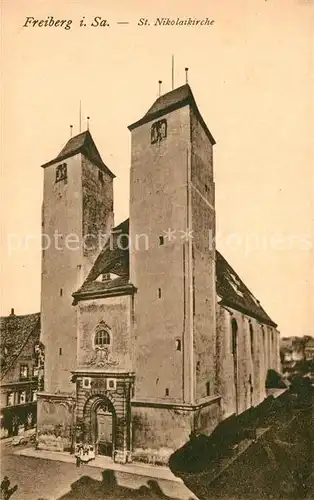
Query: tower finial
column 88, row 118
column 71, row 130
column 172, row 72
column 159, row 84
column 80, row 117
column 186, row 75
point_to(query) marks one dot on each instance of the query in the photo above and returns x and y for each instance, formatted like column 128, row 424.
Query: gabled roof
column 114, row 258
column 175, row 99
column 81, row 143
column 15, row 331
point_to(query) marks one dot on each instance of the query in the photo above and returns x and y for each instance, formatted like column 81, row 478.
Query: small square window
column 23, row 371
column 86, row 382
column 10, row 399
column 22, row 397
column 161, row 240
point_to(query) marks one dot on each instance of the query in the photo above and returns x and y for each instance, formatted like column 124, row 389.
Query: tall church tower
column 77, row 213
column 172, row 266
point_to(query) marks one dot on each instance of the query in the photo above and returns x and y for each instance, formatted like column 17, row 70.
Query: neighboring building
column 309, row 350
column 19, row 372
column 291, row 349
column 163, row 338
column 296, row 354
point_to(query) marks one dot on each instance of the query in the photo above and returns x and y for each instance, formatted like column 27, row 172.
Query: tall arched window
column 102, row 338
column 251, row 338
column 234, row 328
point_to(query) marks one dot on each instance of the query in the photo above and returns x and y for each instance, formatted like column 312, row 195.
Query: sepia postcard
column 157, row 250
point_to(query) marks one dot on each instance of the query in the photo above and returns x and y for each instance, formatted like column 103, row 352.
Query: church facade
column 154, row 336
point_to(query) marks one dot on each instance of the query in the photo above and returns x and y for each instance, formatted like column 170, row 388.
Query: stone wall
column 159, row 431
column 55, row 417
column 202, row 223
column 98, row 218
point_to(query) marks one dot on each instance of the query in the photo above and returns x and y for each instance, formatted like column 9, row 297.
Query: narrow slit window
column 101, row 176
column 207, row 388
column 178, row 345
column 167, row 392
column 61, row 292
column 60, row 351
column 161, row 240
column 159, row 293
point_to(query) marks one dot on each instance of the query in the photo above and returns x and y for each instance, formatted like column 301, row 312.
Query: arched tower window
column 102, row 338
column 234, row 329
column 178, row 345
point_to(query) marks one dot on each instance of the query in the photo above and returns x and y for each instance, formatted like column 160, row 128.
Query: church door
column 104, row 430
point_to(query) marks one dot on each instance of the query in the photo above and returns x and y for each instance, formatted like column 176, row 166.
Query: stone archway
column 100, row 424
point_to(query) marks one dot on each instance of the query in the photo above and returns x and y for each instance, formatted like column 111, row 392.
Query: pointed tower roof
column 81, row 143
column 175, row 99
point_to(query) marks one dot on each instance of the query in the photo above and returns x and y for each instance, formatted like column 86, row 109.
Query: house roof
column 233, row 292
column 81, row 143
column 114, row 258
column 15, row 331
column 175, row 99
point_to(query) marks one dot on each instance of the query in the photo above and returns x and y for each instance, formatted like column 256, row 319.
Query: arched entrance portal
column 100, row 425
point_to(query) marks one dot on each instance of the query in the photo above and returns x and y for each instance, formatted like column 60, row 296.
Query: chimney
column 12, row 312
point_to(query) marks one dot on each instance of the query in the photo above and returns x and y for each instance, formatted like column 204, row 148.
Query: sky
column 252, row 75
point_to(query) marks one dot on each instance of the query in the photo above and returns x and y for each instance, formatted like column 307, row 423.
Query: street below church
column 41, row 479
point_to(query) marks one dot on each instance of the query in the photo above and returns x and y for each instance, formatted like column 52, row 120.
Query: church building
column 153, row 336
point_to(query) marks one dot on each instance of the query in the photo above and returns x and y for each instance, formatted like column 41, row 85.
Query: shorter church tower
column 77, row 215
